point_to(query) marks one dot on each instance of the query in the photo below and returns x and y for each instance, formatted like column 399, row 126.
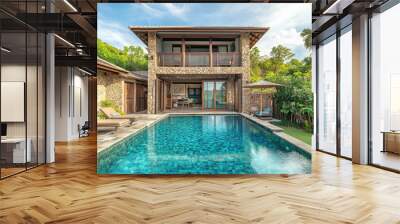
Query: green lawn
column 295, row 132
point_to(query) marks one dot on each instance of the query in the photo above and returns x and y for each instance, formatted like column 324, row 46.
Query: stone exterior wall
column 151, row 72
column 112, row 84
column 243, row 71
column 245, row 49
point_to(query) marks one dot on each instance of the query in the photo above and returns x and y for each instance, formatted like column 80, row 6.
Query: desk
column 391, row 141
column 16, row 148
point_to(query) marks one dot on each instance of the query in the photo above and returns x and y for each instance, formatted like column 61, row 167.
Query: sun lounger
column 113, row 123
column 265, row 114
column 112, row 114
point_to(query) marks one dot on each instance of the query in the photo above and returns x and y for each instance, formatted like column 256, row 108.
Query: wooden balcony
column 199, row 59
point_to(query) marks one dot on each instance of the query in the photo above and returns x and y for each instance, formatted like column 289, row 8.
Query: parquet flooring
column 70, row 191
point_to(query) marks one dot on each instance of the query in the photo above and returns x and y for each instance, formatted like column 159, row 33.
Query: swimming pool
column 204, row 144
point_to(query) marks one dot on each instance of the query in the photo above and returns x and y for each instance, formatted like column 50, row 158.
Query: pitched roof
column 108, row 66
column 255, row 32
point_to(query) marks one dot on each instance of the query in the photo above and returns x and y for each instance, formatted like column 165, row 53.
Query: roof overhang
column 108, row 66
column 255, row 32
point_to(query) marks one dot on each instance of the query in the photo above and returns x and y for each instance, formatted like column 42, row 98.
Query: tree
column 293, row 101
column 307, row 37
column 254, row 64
column 279, row 56
column 131, row 58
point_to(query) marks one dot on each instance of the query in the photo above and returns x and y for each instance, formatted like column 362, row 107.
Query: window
column 327, row 95
column 346, row 92
column 385, row 88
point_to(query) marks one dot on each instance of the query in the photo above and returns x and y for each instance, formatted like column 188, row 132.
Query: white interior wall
column 69, row 112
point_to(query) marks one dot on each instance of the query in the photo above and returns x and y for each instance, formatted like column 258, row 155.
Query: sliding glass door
column 214, row 94
column 327, row 95
column 385, row 89
column 346, row 92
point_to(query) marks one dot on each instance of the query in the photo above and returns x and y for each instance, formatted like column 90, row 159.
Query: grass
column 295, row 132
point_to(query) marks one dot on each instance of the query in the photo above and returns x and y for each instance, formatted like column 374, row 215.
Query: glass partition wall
column 385, row 89
column 22, row 66
column 334, row 94
column 327, row 95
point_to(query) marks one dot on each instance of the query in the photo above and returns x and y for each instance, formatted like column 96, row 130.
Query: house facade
column 127, row 89
column 202, row 68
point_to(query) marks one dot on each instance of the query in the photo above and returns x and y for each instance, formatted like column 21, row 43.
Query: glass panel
column 327, row 95
column 346, row 93
column 385, row 84
column 31, row 98
column 13, row 76
column 220, row 95
column 208, row 95
column 41, row 99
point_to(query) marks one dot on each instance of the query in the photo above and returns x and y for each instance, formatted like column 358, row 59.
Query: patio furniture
column 391, row 141
column 113, row 123
column 253, row 110
column 265, row 113
column 184, row 102
column 112, row 114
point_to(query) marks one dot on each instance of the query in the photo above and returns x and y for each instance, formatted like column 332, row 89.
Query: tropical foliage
column 131, row 58
column 293, row 101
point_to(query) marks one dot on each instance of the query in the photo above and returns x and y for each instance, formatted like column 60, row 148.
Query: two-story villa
column 202, row 68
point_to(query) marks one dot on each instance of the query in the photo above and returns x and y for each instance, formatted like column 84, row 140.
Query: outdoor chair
column 110, row 113
column 265, row 113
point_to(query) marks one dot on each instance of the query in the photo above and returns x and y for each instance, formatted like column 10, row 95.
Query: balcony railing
column 226, row 59
column 170, row 59
column 199, row 59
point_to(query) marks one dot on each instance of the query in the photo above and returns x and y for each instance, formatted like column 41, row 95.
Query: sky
column 286, row 21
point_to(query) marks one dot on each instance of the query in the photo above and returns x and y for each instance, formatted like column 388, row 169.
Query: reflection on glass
column 215, row 94
column 208, row 95
column 220, row 95
column 31, row 98
column 327, row 95
column 385, row 88
column 14, row 153
column 346, row 93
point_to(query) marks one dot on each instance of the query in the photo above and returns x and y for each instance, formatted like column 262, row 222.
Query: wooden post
column 211, row 54
column 134, row 97
column 183, row 53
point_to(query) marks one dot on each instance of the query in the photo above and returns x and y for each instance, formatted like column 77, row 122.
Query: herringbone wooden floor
column 70, row 191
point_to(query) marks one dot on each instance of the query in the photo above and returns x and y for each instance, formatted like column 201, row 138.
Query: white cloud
column 287, row 37
column 177, row 10
column 150, row 10
column 116, row 34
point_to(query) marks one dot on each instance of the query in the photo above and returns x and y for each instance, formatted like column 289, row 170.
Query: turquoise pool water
column 204, row 144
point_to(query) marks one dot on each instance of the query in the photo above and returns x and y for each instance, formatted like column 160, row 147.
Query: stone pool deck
column 107, row 139
column 279, row 132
